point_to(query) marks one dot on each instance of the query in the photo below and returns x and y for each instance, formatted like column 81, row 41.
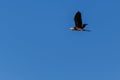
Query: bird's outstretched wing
column 78, row 19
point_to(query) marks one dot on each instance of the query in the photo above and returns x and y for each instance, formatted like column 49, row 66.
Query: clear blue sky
column 36, row 43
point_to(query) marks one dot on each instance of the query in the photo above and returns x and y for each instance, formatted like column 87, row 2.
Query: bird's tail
column 84, row 25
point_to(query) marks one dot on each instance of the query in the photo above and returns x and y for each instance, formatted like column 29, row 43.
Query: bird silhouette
column 79, row 26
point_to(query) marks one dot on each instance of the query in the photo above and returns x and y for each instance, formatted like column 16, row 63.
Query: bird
column 79, row 26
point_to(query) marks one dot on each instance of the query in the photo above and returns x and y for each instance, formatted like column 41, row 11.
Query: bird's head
column 72, row 28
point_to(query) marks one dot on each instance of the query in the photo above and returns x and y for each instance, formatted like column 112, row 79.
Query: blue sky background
column 36, row 43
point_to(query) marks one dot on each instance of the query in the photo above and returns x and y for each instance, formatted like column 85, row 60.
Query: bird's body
column 79, row 26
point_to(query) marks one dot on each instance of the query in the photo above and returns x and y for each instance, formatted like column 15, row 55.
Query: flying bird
column 79, row 26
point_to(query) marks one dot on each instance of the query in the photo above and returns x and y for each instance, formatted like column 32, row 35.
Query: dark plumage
column 79, row 26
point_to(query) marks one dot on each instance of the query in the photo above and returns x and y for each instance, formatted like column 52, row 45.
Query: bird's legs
column 86, row 30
